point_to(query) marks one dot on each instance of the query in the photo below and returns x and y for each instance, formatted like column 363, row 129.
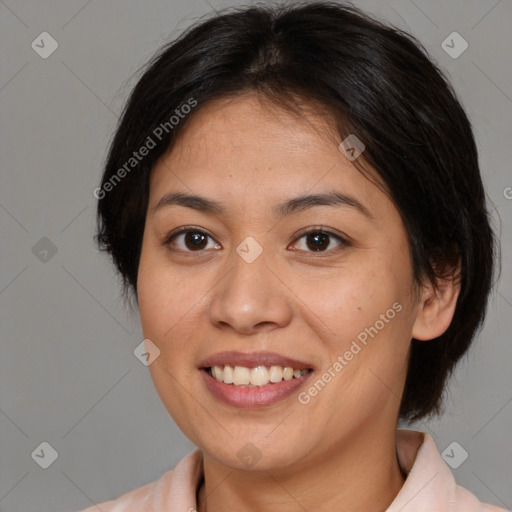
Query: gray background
column 68, row 375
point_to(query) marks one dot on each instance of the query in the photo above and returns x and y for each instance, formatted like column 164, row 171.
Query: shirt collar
column 429, row 484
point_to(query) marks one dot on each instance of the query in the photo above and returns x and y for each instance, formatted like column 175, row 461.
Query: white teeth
column 241, row 376
column 218, row 374
column 288, row 373
column 228, row 374
column 258, row 376
column 275, row 374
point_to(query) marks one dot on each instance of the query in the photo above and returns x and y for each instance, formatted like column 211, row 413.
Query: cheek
column 166, row 315
column 368, row 313
column 170, row 301
column 148, row 293
column 352, row 299
column 159, row 304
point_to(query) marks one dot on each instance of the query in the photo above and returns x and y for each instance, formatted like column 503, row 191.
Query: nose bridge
column 248, row 285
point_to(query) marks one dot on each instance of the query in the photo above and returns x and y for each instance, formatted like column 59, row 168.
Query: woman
column 293, row 195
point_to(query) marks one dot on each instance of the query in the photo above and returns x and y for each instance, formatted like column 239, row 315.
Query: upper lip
column 252, row 360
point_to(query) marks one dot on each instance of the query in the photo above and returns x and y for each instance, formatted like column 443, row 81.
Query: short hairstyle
column 376, row 81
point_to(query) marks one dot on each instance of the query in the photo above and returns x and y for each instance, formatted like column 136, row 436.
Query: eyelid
column 319, row 229
column 344, row 240
column 183, row 230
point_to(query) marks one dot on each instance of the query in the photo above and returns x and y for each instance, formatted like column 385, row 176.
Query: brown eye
column 195, row 240
column 189, row 240
column 320, row 241
column 317, row 241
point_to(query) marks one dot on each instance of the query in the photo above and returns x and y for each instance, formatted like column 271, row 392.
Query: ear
column 437, row 306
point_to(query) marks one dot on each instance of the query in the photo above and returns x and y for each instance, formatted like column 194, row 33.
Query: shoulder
column 173, row 486
column 430, row 484
column 137, row 499
column 465, row 501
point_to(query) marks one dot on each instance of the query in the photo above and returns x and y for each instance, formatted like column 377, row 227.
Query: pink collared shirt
column 429, row 486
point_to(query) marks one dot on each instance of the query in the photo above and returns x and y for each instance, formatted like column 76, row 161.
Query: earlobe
column 436, row 307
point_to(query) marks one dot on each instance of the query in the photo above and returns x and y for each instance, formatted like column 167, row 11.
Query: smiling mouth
column 255, row 377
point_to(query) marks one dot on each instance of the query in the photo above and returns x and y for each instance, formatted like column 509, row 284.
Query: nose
column 250, row 298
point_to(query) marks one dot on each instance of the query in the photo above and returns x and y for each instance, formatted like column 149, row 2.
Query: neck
column 362, row 473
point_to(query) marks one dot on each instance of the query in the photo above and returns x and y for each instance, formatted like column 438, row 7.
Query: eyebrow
column 294, row 205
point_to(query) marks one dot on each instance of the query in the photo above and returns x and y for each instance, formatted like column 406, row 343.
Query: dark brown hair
column 381, row 84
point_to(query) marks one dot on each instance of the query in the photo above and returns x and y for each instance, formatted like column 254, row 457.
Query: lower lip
column 252, row 397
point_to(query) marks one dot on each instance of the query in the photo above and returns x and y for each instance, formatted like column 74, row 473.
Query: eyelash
column 314, row 231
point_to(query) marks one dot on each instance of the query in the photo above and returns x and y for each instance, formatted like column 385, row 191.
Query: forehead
column 251, row 126
column 243, row 148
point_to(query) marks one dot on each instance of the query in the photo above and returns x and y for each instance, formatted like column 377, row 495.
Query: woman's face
column 247, row 278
